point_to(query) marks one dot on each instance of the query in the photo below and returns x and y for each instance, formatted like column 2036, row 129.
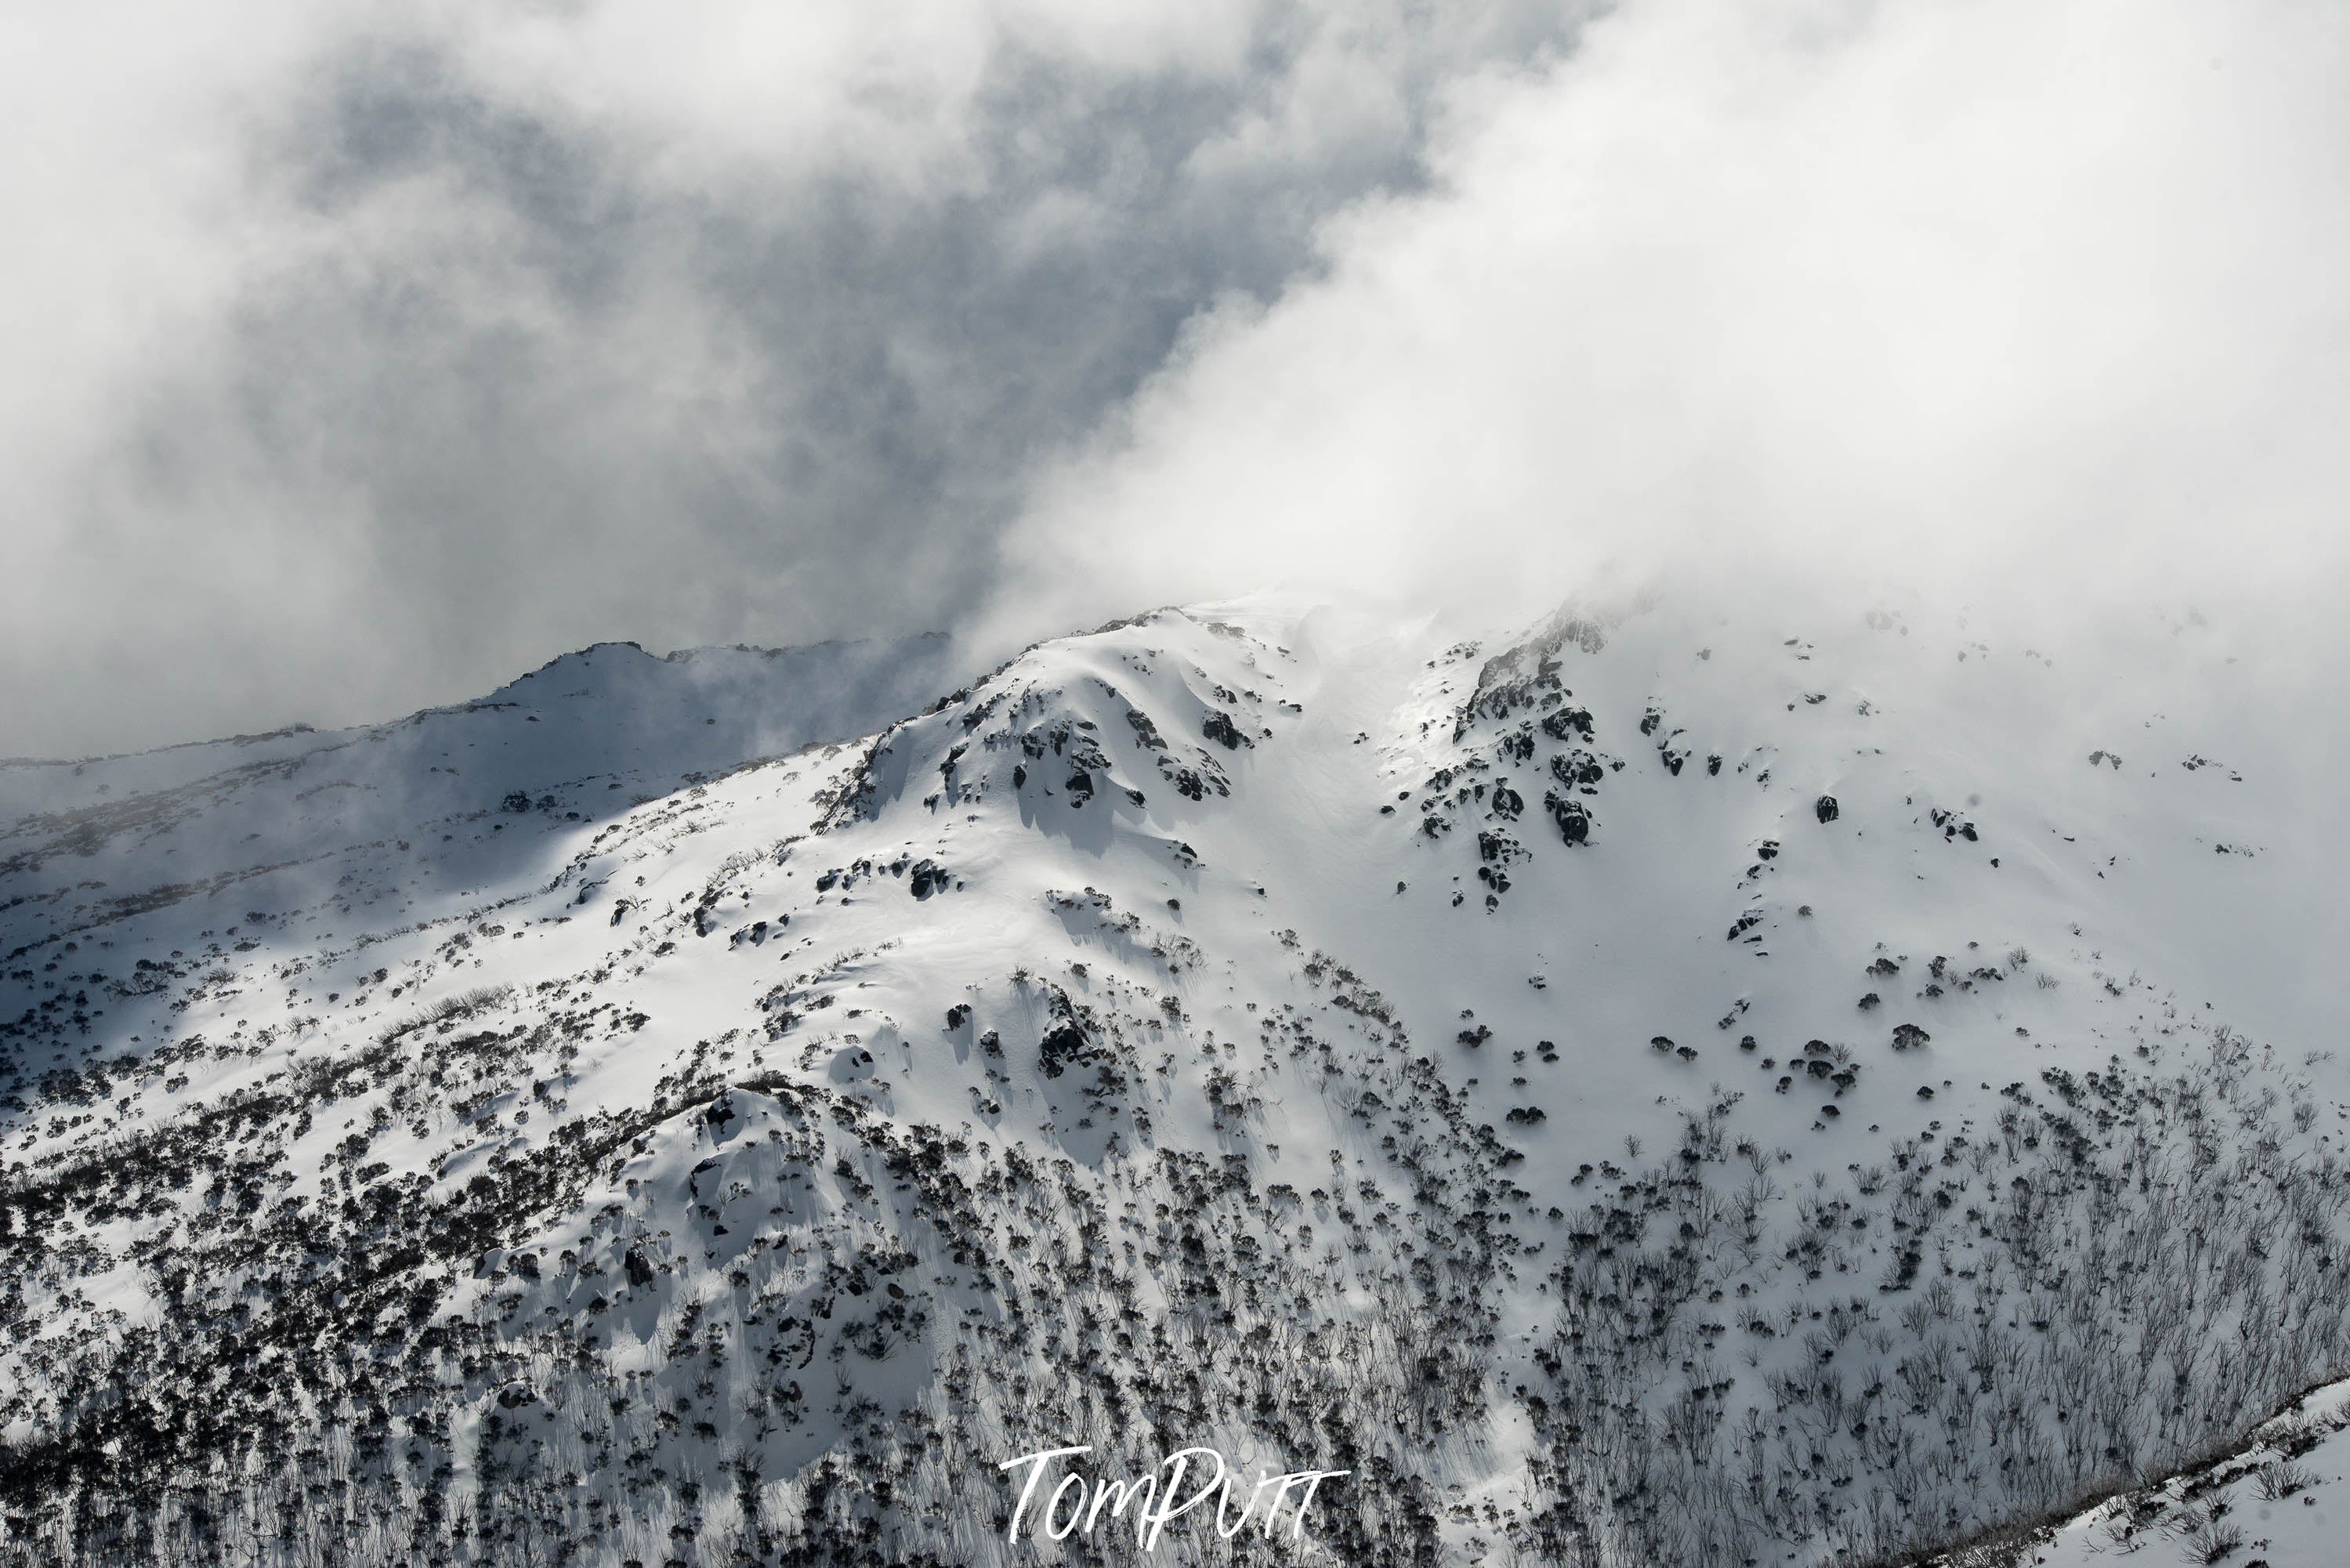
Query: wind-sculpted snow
column 1670, row 1088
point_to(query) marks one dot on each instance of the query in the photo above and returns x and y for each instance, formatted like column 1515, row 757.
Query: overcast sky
column 359, row 357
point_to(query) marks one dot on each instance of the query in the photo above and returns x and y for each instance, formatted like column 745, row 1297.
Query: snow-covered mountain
column 1682, row 1084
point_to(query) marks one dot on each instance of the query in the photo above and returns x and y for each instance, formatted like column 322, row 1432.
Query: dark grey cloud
column 513, row 331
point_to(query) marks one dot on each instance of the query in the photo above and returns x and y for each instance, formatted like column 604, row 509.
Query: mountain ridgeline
column 1667, row 1086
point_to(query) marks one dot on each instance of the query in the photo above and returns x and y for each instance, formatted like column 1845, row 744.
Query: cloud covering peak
column 369, row 357
column 2035, row 301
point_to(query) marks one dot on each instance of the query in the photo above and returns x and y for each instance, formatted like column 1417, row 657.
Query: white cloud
column 2041, row 296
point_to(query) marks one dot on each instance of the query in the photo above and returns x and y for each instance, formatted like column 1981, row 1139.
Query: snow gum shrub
column 1990, row 1326
column 453, row 1010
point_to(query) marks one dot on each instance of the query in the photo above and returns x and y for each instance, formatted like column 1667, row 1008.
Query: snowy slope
column 594, row 732
column 2279, row 1500
column 1669, row 1085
